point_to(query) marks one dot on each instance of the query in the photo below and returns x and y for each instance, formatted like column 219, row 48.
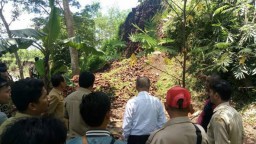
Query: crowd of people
column 83, row 116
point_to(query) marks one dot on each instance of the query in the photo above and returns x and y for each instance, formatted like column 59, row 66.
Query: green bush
column 92, row 63
column 13, row 66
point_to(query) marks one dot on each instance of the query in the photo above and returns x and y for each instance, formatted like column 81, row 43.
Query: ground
column 119, row 82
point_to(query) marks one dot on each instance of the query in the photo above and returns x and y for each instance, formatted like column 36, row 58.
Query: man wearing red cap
column 179, row 129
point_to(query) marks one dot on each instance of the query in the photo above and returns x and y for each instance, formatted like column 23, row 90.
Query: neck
column 103, row 126
column 177, row 114
column 29, row 112
column 89, row 88
column 220, row 102
column 140, row 90
column 59, row 88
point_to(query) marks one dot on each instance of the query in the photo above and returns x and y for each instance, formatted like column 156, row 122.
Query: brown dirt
column 126, row 77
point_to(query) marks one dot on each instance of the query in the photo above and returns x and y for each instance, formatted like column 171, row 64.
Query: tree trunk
column 10, row 36
column 184, row 68
column 71, row 33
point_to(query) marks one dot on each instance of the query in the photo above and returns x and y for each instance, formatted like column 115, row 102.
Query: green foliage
column 149, row 39
column 112, row 49
column 92, row 63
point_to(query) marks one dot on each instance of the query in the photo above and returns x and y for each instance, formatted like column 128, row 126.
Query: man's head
column 86, row 79
column 142, row 84
column 178, row 100
column 219, row 91
column 58, row 81
column 29, row 96
column 5, row 91
column 3, row 71
column 95, row 109
column 35, row 131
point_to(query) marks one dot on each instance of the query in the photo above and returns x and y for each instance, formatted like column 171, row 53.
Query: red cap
column 175, row 93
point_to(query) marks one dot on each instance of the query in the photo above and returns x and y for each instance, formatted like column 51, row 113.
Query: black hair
column 4, row 83
column 86, row 79
column 143, row 82
column 3, row 67
column 223, row 88
column 44, row 130
column 57, row 79
column 94, row 108
column 26, row 91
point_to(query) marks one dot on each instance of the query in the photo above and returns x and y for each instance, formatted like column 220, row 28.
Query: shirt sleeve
column 127, row 121
column 161, row 116
column 54, row 101
column 220, row 131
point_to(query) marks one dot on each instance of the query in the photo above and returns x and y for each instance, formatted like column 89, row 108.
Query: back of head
column 223, row 88
column 57, row 79
column 94, row 108
column 142, row 83
column 178, row 98
column 35, row 131
column 3, row 67
column 26, row 91
column 86, row 79
column 3, row 82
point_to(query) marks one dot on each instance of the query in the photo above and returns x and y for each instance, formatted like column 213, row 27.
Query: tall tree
column 71, row 33
column 7, row 27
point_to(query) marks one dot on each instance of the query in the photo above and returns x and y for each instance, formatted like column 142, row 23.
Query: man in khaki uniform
column 30, row 98
column 56, row 98
column 179, row 129
column 226, row 126
column 76, row 126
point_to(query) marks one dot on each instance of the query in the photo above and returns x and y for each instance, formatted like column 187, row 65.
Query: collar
column 221, row 106
column 22, row 115
column 143, row 93
column 83, row 89
column 97, row 133
column 57, row 91
column 177, row 120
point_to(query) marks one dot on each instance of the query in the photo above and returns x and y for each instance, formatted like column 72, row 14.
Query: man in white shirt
column 143, row 114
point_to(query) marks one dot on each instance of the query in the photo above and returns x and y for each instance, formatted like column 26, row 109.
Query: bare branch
column 172, row 8
column 176, row 5
column 193, row 8
column 163, row 71
column 60, row 6
column 44, row 9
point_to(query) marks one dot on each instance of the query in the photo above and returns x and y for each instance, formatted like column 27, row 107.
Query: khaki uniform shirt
column 178, row 130
column 56, row 105
column 76, row 126
column 226, row 126
column 12, row 120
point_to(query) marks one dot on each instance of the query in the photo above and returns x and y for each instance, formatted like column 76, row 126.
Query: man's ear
column 32, row 106
column 108, row 114
column 166, row 106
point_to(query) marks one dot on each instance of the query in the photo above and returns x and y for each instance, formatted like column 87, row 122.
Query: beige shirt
column 76, row 126
column 178, row 130
column 56, row 105
column 12, row 120
column 226, row 126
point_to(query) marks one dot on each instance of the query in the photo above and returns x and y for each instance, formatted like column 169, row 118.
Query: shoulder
column 158, row 134
column 76, row 140
column 6, row 123
column 70, row 96
column 119, row 142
